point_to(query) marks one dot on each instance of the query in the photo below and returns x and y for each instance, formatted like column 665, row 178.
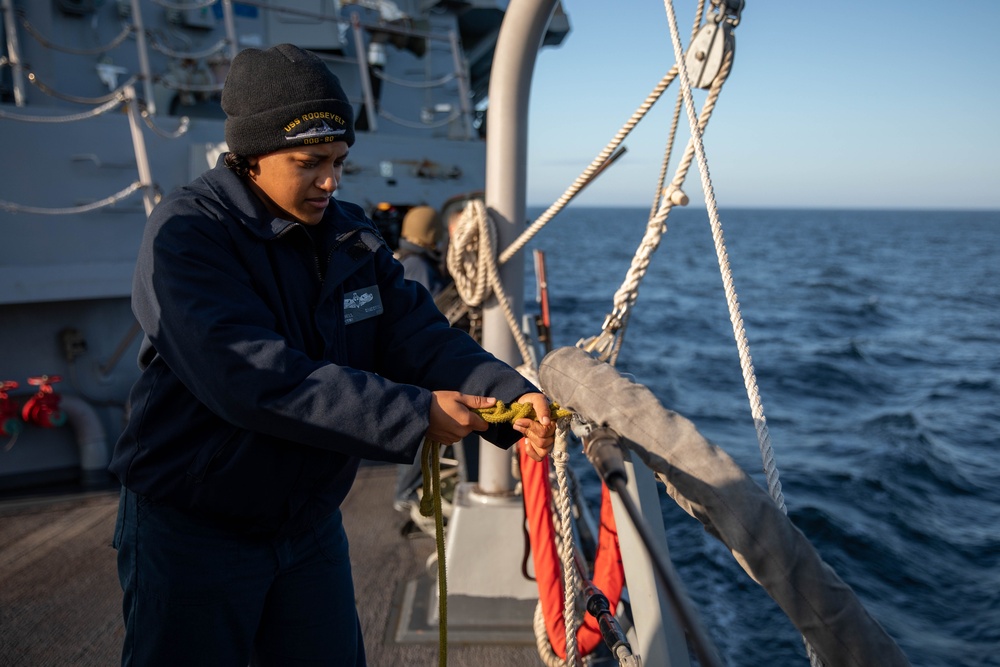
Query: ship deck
column 60, row 602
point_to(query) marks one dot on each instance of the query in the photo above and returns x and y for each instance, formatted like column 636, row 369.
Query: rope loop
column 472, row 262
column 467, row 261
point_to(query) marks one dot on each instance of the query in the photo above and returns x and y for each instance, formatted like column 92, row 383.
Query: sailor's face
column 297, row 183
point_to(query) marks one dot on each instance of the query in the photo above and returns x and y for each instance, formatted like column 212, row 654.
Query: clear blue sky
column 845, row 104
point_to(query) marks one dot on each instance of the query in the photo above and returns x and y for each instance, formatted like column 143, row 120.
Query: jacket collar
column 232, row 192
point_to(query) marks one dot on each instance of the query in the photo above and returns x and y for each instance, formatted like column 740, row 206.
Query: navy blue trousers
column 197, row 595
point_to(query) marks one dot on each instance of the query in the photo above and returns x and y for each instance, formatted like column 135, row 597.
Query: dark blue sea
column 875, row 337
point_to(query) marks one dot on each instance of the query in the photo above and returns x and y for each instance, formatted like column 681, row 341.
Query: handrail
column 143, row 53
column 135, row 113
column 189, row 55
column 51, row 92
column 127, row 30
column 183, row 6
column 97, row 111
column 146, row 77
column 13, row 51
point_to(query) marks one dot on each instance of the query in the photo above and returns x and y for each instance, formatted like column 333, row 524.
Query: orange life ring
column 609, row 575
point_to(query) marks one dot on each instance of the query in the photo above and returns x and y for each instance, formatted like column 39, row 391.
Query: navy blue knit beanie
column 280, row 97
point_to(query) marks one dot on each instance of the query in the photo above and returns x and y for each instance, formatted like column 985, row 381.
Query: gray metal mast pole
column 520, row 38
column 659, row 637
column 486, row 514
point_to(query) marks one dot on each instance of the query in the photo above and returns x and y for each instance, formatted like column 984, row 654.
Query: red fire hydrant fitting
column 10, row 420
column 42, row 409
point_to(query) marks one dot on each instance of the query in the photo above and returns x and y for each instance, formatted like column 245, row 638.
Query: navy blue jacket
column 256, row 401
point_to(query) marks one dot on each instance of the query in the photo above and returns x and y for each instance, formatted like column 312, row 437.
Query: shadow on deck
column 60, row 602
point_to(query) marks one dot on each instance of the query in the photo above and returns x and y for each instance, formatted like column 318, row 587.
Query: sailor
column 419, row 251
column 282, row 346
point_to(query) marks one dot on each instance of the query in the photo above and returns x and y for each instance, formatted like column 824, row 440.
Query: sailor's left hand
column 539, row 432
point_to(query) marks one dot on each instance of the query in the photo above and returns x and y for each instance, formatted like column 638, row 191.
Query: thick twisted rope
column 739, row 332
column 608, row 343
column 774, row 486
column 501, row 413
column 668, row 151
column 469, row 266
column 474, row 268
column 588, row 173
column 571, row 579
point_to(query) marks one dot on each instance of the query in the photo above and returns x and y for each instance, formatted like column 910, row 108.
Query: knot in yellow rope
column 501, row 413
column 430, row 499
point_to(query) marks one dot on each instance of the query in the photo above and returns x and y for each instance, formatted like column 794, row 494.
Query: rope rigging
column 474, row 262
column 127, row 30
column 123, row 96
column 473, row 267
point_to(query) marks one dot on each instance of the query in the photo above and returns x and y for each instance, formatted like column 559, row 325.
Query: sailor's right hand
column 452, row 417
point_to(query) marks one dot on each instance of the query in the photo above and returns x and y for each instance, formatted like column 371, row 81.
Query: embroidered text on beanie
column 284, row 96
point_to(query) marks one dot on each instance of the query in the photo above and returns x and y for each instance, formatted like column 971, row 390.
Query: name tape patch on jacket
column 362, row 304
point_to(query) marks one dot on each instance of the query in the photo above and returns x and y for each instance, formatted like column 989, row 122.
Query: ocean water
column 875, row 337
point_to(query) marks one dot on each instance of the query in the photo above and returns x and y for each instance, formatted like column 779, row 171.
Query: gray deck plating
column 60, row 599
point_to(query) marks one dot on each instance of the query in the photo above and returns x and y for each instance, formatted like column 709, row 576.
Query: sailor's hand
column 539, row 432
column 451, row 417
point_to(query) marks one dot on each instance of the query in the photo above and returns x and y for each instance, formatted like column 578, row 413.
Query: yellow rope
column 430, row 499
column 502, row 413
column 430, row 503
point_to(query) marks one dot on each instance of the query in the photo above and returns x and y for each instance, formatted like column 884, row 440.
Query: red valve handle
column 42, row 409
column 10, row 420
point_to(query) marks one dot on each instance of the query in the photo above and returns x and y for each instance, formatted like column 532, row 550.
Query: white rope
column 736, row 318
column 188, row 55
column 473, row 266
column 545, row 651
column 571, row 580
column 127, row 30
column 608, row 343
column 588, row 173
column 104, row 108
column 419, row 126
column 107, row 201
column 739, row 331
column 182, row 127
column 432, row 83
column 674, row 123
column 566, row 547
column 466, row 263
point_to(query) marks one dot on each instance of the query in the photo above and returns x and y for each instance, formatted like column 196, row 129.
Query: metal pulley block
column 707, row 52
